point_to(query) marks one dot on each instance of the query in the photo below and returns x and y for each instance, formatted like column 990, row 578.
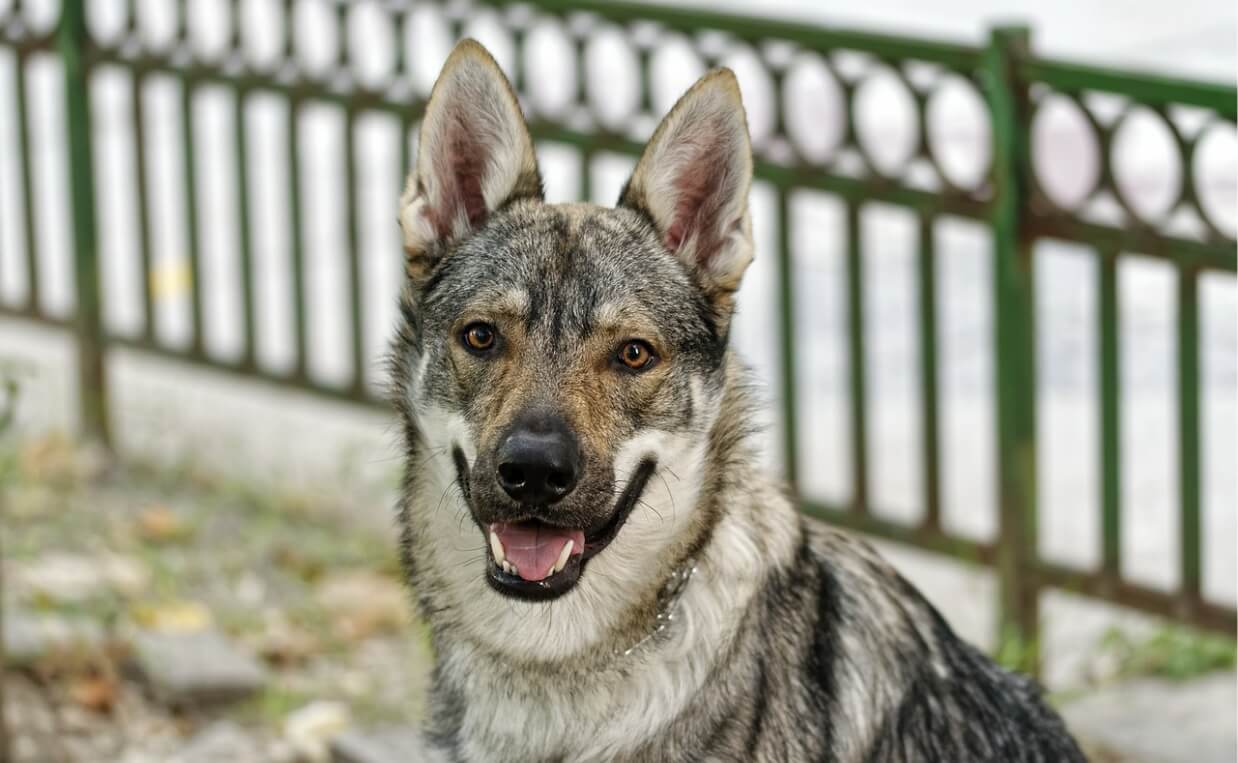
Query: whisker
column 435, row 453
column 442, row 498
column 471, row 559
column 669, row 494
column 464, row 512
column 647, row 505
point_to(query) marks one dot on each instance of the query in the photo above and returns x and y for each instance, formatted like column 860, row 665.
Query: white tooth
column 563, row 555
column 511, row 568
column 496, row 547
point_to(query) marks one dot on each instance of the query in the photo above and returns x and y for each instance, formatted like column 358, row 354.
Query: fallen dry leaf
column 159, row 524
column 363, row 603
column 283, row 644
column 305, row 567
column 97, row 693
column 48, row 459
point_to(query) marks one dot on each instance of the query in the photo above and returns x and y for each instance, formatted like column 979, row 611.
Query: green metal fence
column 1007, row 198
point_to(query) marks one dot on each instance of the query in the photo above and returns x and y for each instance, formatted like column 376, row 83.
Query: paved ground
column 1156, row 721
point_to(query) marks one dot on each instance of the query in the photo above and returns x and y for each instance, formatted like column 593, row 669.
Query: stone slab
column 389, row 745
column 30, row 637
column 196, row 668
column 221, row 742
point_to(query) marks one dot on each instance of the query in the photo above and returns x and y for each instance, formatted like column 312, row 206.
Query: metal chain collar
column 668, row 600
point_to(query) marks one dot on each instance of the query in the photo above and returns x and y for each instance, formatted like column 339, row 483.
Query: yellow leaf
column 173, row 617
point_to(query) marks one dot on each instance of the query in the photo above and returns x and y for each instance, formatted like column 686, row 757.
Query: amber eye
column 479, row 337
column 636, row 355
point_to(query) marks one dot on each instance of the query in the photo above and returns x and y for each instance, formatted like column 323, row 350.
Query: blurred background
column 962, row 209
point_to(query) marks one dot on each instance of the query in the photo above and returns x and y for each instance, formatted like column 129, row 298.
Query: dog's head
column 562, row 364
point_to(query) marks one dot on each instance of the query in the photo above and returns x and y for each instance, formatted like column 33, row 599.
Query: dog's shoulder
column 935, row 696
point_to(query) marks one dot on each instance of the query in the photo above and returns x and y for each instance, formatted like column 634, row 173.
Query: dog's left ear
column 474, row 155
column 693, row 178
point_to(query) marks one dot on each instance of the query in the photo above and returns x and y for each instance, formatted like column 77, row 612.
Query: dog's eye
column 637, row 355
column 478, row 337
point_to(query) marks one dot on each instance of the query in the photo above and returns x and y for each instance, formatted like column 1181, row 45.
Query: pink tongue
column 534, row 547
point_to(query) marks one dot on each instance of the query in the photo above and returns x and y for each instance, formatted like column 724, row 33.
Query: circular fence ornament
column 156, row 25
column 1066, row 156
column 886, row 121
column 959, row 138
column 106, row 20
column 371, row 44
column 613, row 78
column 814, row 108
column 209, row 25
column 316, row 38
column 40, row 18
column 1214, row 170
column 757, row 90
column 262, row 28
column 486, row 27
column 550, row 64
column 1146, row 165
column 428, row 41
column 674, row 65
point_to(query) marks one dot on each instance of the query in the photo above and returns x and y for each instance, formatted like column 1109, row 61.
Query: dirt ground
column 284, row 576
column 296, row 580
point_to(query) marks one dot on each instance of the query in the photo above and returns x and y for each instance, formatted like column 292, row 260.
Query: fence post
column 71, row 43
column 1015, row 352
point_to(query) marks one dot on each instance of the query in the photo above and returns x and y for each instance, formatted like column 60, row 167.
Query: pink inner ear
column 461, row 177
column 697, row 205
column 468, row 173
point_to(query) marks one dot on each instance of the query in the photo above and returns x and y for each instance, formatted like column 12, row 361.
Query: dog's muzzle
column 534, row 558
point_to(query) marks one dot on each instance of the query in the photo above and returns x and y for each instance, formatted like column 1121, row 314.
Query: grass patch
column 273, row 705
column 1014, row 652
column 1174, row 652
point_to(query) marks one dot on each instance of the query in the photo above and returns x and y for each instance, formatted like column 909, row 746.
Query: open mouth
column 536, row 560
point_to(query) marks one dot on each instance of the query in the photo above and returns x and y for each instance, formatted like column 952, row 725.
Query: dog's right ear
column 474, row 156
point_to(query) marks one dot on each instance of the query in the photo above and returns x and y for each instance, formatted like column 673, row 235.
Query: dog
column 606, row 573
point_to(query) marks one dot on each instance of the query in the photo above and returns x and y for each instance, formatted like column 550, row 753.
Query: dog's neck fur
column 512, row 668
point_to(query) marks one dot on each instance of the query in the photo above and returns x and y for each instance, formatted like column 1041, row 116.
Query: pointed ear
column 693, row 178
column 474, row 155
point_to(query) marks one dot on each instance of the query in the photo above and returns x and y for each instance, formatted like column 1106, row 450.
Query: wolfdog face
column 560, row 366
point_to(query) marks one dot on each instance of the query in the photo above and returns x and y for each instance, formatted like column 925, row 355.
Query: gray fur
column 792, row 641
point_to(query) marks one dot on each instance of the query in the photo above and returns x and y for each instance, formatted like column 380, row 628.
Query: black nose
column 538, row 462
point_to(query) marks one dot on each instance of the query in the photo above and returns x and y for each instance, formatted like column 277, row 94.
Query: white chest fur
column 587, row 713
